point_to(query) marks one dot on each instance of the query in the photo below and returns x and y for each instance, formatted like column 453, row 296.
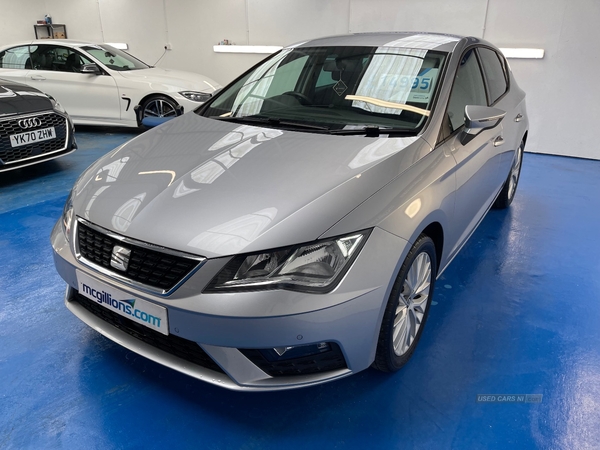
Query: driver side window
column 57, row 58
column 468, row 89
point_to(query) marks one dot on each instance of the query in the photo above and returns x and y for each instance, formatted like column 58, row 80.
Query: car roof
column 67, row 42
column 411, row 39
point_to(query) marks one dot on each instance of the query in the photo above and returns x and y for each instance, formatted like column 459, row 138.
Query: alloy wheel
column 515, row 171
column 159, row 108
column 412, row 304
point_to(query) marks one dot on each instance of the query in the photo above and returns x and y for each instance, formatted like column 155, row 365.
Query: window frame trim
column 441, row 140
column 502, row 62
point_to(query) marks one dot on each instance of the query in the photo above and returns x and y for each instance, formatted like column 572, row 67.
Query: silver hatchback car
column 289, row 232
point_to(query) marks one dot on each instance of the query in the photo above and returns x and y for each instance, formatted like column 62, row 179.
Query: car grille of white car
column 159, row 270
column 9, row 127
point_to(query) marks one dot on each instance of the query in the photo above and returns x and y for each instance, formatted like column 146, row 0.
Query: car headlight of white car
column 312, row 267
column 196, row 96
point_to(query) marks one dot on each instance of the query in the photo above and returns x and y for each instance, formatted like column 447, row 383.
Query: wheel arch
column 155, row 94
column 138, row 108
column 435, row 231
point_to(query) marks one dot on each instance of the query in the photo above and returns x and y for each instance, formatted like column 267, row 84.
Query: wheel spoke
column 400, row 332
column 159, row 108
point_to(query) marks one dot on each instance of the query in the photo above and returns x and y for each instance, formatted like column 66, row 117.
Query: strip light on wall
column 268, row 49
column 533, row 53
column 119, row 45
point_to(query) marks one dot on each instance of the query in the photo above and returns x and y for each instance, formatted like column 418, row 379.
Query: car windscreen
column 335, row 88
column 114, row 59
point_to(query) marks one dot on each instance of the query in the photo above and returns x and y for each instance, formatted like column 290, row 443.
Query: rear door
column 497, row 80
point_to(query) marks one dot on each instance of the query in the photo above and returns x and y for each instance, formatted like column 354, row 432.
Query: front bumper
column 27, row 155
column 225, row 326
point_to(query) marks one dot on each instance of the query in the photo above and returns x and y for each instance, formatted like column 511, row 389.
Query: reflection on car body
column 290, row 232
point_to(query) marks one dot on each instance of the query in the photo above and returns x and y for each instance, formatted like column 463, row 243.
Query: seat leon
column 290, row 231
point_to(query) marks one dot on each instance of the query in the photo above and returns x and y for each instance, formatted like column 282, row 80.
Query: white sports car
column 101, row 85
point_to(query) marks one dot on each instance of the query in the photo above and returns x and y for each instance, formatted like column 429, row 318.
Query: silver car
column 289, row 232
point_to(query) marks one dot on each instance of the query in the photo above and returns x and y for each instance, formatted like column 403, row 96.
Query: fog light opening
column 297, row 351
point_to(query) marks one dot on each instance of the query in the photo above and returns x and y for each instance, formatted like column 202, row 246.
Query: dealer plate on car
column 140, row 311
column 31, row 137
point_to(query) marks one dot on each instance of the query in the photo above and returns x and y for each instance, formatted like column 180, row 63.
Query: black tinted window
column 468, row 89
column 494, row 73
column 56, row 58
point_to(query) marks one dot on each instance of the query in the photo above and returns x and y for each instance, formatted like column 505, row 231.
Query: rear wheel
column 408, row 307
column 507, row 194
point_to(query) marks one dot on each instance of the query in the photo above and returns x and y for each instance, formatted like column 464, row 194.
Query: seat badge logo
column 32, row 122
column 120, row 258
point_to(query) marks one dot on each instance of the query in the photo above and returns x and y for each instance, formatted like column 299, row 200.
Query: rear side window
column 494, row 73
column 15, row 58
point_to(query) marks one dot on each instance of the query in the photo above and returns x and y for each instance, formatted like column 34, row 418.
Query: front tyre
column 408, row 307
column 507, row 194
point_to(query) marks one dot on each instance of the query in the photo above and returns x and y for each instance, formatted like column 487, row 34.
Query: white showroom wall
column 562, row 92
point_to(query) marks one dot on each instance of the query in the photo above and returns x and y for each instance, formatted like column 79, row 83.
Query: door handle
column 38, row 77
column 498, row 141
column 519, row 117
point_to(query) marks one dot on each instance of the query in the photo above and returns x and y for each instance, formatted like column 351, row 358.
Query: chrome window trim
column 37, row 114
column 125, row 280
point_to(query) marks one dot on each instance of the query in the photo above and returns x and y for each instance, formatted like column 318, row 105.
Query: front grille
column 305, row 365
column 8, row 154
column 149, row 267
column 182, row 348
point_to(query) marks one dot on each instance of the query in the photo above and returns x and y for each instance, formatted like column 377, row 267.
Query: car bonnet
column 216, row 188
column 160, row 79
column 17, row 98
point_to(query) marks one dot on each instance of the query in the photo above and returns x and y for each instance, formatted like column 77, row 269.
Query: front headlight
column 67, row 216
column 196, row 96
column 314, row 267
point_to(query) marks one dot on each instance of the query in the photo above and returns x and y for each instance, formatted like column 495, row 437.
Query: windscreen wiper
column 373, row 131
column 270, row 121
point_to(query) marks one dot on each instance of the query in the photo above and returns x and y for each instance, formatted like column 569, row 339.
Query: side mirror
column 90, row 68
column 478, row 118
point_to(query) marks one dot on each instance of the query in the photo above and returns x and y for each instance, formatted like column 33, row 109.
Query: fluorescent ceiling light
column 119, row 45
column 246, row 48
column 535, row 53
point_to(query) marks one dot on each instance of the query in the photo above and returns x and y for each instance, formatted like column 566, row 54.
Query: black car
column 34, row 127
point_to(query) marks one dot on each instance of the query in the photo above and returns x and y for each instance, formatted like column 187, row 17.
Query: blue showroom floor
column 517, row 312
